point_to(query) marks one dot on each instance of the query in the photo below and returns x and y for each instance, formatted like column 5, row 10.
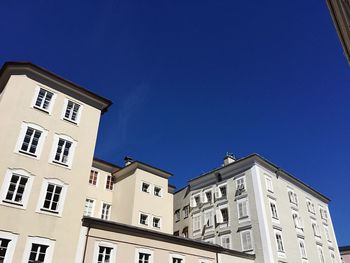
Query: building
column 49, row 179
column 253, row 206
column 345, row 254
column 340, row 11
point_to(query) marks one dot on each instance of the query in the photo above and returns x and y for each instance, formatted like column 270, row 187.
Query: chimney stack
column 229, row 158
column 127, row 160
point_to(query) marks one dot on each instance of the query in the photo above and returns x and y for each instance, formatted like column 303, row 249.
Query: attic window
column 145, row 187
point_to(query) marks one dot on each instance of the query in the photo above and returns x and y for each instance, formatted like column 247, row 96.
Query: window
column 323, row 213
column 269, row 185
column 52, row 196
column 177, row 260
column 273, row 210
column 144, row 255
column 176, row 233
column 316, row 229
column 174, row 258
column 104, row 252
column 209, row 218
column 72, row 111
column 156, row 222
column 63, row 150
column 38, row 250
column 240, row 185
column 320, row 254
column 226, row 241
column 279, row 241
column 333, row 257
column 186, row 211
column 242, row 209
column 206, row 197
column 328, row 237
column 246, row 240
column 157, row 191
column 146, row 187
column 144, row 219
column 310, row 206
column 177, row 215
column 196, row 222
column 297, row 221
column 185, row 232
column 221, row 191
column 30, row 140
column 44, row 100
column 109, row 182
column 195, row 200
column 7, row 246
column 292, row 197
column 144, row 258
column 93, row 177
column 222, row 215
column 302, row 248
column 89, row 207
column 106, row 211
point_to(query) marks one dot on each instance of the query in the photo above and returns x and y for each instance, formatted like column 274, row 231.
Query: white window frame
column 52, row 101
column 92, row 207
column 316, row 229
column 195, row 216
column 275, row 219
column 11, row 246
column 225, row 237
column 323, row 213
column 310, row 206
column 160, row 191
column 160, row 222
column 219, row 216
column 54, row 148
column 209, row 218
column 149, row 190
column 40, row 206
column 269, row 183
column 292, row 196
column 243, row 217
column 320, row 249
column 333, row 257
column 65, row 104
column 177, row 215
column 241, row 186
column 297, row 221
column 301, row 241
column 193, row 202
column 281, row 254
column 218, row 193
column 147, row 220
column 145, row 251
column 6, row 184
column 327, row 234
column 42, row 241
column 186, row 211
column 172, row 256
column 102, row 243
column 251, row 240
column 22, row 133
column 109, row 210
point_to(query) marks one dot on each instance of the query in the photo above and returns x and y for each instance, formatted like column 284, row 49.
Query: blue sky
column 192, row 80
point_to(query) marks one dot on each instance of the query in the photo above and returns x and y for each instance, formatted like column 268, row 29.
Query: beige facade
column 251, row 205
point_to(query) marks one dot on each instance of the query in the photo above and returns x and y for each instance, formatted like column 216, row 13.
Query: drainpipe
column 86, row 240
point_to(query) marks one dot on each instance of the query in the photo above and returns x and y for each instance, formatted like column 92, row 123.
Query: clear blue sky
column 192, row 80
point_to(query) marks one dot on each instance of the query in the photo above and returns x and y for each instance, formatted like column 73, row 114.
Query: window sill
column 41, row 109
column 12, row 204
column 48, row 211
column 44, row 211
column 31, row 155
column 70, row 121
column 60, row 164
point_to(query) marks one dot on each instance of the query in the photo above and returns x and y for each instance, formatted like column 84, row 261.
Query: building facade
column 251, row 205
column 345, row 254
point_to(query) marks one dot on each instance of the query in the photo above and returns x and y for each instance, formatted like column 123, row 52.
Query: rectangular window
column 273, row 210
column 52, row 198
column 157, row 191
column 89, row 205
column 302, row 248
column 186, row 211
column 297, row 220
column 310, row 207
column 221, row 191
column 37, row 253
column 106, row 210
column 196, row 222
column 320, row 254
column 62, row 151
column 246, row 240
column 226, row 241
column 242, row 209
column 156, row 222
column 93, row 177
column 72, row 111
column 4, row 243
column 104, row 254
column 146, row 187
column 323, row 213
column 209, row 218
column 240, row 186
column 177, row 215
column 176, row 260
column 279, row 241
column 316, row 229
column 269, row 185
column 43, row 100
column 109, row 182
column 144, row 219
column 292, row 197
column 144, row 257
column 328, row 237
column 16, row 189
column 30, row 141
column 222, row 215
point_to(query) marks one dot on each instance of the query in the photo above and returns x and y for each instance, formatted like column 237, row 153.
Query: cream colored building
column 253, row 206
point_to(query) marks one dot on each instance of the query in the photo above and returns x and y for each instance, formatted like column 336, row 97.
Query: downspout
column 216, row 255
column 86, row 240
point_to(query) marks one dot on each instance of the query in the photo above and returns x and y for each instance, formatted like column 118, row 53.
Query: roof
column 344, row 248
column 128, row 169
column 102, row 164
column 52, row 80
column 256, row 158
column 156, row 235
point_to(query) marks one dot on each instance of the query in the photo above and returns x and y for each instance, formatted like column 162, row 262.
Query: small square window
column 157, row 191
column 156, row 222
column 72, row 111
column 177, row 215
column 43, row 100
column 144, row 219
column 146, row 187
column 144, row 258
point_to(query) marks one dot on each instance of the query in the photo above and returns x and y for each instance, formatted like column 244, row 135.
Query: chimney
column 127, row 160
column 229, row 158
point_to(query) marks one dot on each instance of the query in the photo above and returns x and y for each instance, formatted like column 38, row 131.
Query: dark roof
column 107, row 163
column 344, row 248
column 155, row 235
column 29, row 67
column 257, row 157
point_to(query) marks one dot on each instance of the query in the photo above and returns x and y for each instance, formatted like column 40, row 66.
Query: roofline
column 18, row 64
column 344, row 248
column 133, row 230
column 256, row 157
column 106, row 163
